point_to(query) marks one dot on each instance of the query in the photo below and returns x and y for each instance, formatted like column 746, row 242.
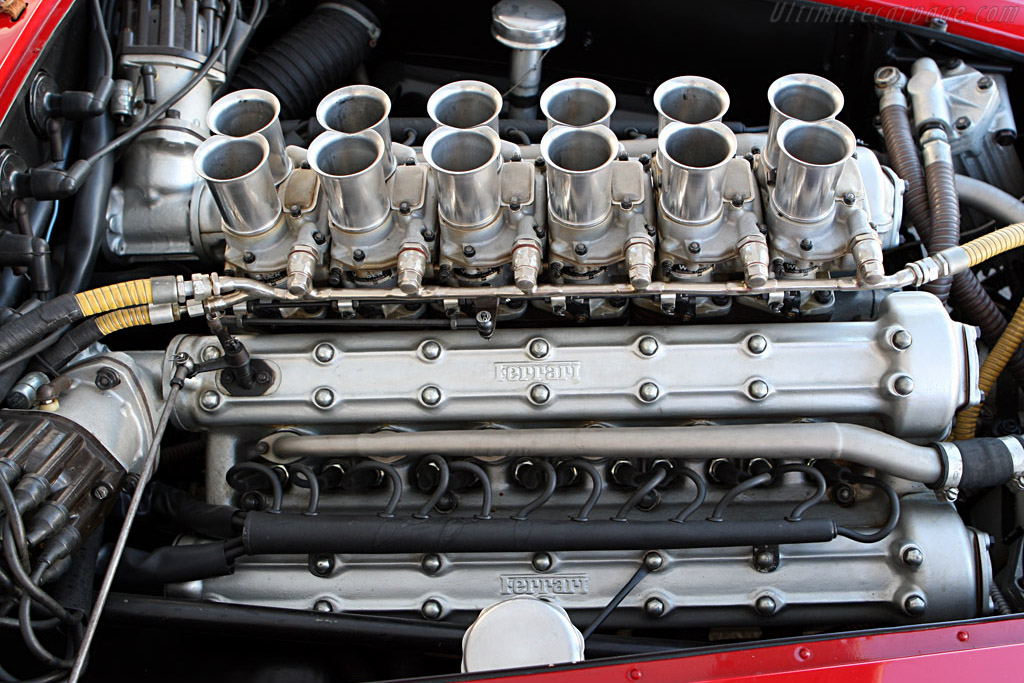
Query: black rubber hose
column 173, row 564
column 313, row 58
column 88, row 222
column 266, row 533
column 27, row 329
column 78, row 338
column 254, row 622
column 186, row 513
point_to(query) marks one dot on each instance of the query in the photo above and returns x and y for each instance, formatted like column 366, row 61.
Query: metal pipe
column 248, row 112
column 804, row 97
column 351, row 170
column 690, row 99
column 577, row 102
column 579, row 173
column 693, row 161
column 466, row 164
column 811, row 160
column 465, row 104
column 356, row 108
column 817, row 440
column 237, row 171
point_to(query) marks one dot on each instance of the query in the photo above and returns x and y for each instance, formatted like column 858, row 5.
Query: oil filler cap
column 522, row 631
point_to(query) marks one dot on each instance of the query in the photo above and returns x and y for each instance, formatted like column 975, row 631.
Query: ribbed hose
column 902, row 149
column 995, row 363
column 113, row 297
column 903, row 154
column 311, row 59
column 945, row 213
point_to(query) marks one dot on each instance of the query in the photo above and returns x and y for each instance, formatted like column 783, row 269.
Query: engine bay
column 486, row 337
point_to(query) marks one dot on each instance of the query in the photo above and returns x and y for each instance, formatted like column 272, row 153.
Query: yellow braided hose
column 123, row 319
column 967, row 419
column 114, row 297
column 994, row 243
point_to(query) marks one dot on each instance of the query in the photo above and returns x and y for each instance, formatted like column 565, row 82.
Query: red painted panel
column 21, row 42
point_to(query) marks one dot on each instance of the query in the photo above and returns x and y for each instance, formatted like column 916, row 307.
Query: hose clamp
column 372, row 29
column 1016, row 450
column 953, row 471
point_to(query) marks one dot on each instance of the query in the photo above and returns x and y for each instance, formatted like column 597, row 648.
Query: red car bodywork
column 981, row 651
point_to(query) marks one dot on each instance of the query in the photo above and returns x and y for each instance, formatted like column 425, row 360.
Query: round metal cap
column 522, row 631
column 528, row 24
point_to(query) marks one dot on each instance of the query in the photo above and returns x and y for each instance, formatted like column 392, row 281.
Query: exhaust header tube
column 237, row 171
column 805, row 97
column 577, row 102
column 351, row 170
column 579, row 173
column 690, row 99
column 356, row 108
column 693, row 160
column 466, row 164
column 811, row 160
column 248, row 112
column 465, row 104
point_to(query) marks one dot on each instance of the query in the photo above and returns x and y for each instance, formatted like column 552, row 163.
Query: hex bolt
column 539, row 348
column 849, row 198
column 984, row 83
column 912, row 557
column 323, row 606
column 542, row 562
column 962, row 123
column 322, row 565
column 323, row 397
column 823, row 296
column 626, row 204
column 209, row 400
column 738, row 200
column 431, row 350
column 649, row 392
column 766, row 605
column 404, row 208
column 319, row 237
column 263, row 448
column 358, row 255
column 469, row 251
column 539, row 394
column 903, row 385
column 101, row 491
column 915, row 605
column 758, row 389
column 210, row 352
column 431, row 609
column 430, row 396
column 515, row 204
column 431, row 564
column 107, row 379
column 324, row 353
column 654, row 607
column 806, row 244
column 901, row 340
column 757, row 344
column 263, row 377
column 580, row 249
column 648, row 346
column 693, row 247
column 654, row 561
column 248, row 257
